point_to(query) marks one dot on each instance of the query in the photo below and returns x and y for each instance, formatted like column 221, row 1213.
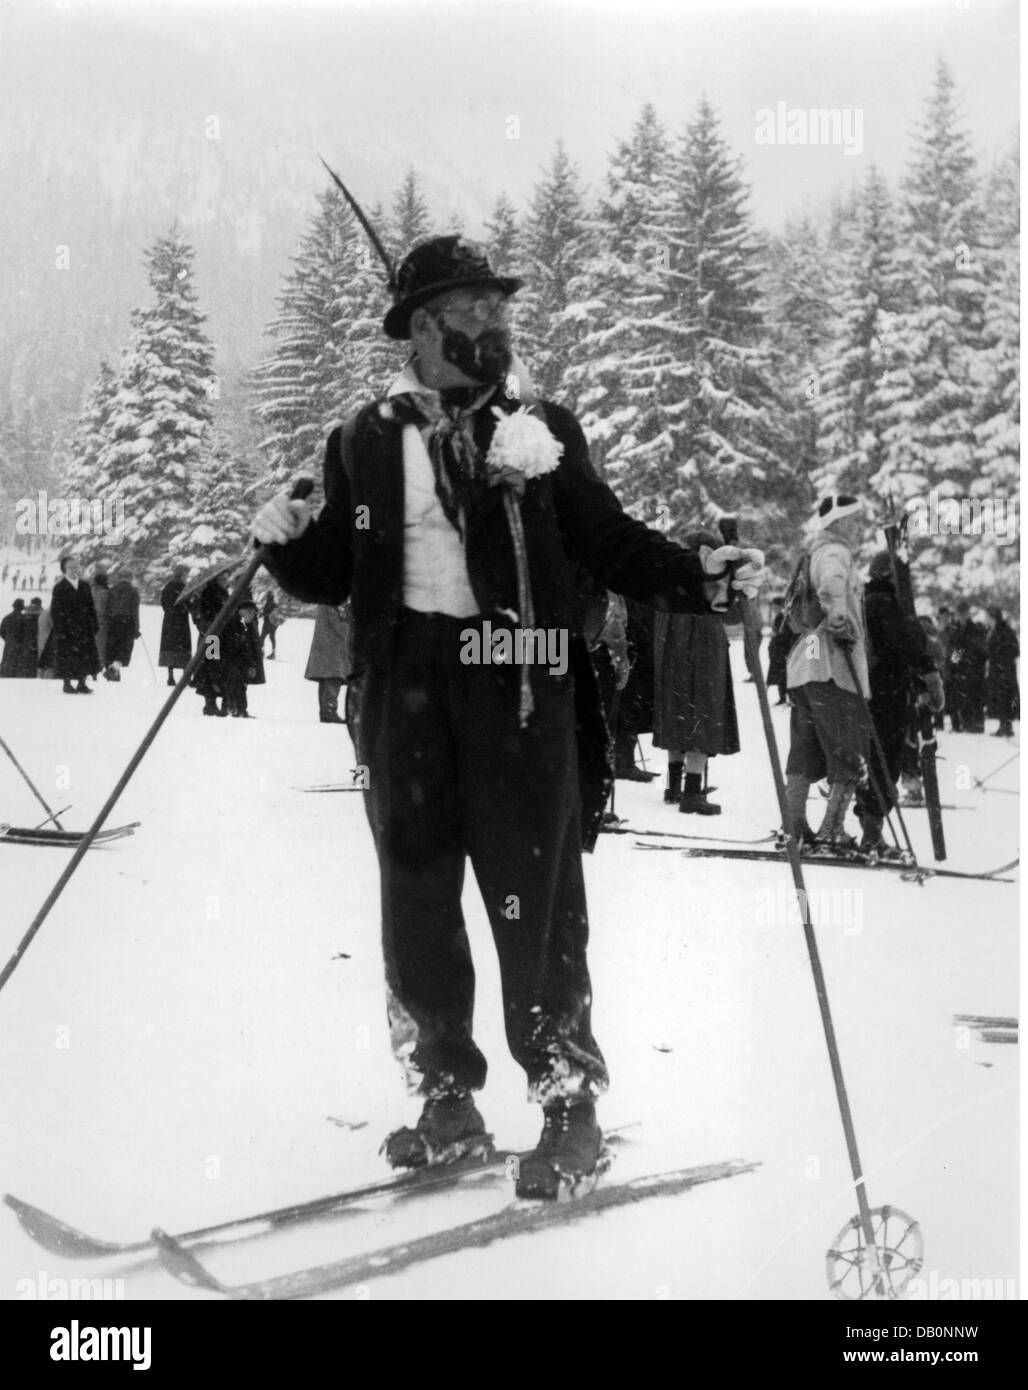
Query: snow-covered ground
column 198, row 1030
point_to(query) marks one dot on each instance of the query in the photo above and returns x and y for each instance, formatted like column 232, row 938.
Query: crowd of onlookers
column 91, row 626
column 976, row 655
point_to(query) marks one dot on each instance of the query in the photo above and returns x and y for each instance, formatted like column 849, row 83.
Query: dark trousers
column 451, row 776
column 892, row 724
column 328, row 696
column 965, row 701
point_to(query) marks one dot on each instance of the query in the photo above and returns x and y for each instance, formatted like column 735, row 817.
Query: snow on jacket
column 816, row 656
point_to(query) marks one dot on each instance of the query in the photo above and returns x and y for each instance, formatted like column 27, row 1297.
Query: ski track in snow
column 180, row 1031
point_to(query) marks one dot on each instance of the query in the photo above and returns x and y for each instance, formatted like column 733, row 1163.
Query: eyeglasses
column 480, row 310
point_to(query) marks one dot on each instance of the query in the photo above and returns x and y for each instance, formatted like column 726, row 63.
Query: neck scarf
column 447, row 423
column 446, row 420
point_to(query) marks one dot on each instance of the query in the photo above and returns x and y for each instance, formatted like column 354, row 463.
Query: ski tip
column 183, row 1264
column 56, row 1236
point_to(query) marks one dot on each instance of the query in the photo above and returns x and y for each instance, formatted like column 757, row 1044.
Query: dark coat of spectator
column 1001, row 681
column 18, row 634
column 75, row 625
column 176, row 640
column 122, row 621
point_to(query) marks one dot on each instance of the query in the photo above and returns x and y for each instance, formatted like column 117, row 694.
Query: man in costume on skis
column 457, row 509
column 829, row 734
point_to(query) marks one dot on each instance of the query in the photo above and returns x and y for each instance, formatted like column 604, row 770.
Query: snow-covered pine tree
column 990, row 570
column 621, row 343
column 375, row 359
column 82, row 476
column 160, row 415
column 858, row 366
column 558, row 237
column 801, row 289
column 503, row 237
column 216, row 528
column 929, row 440
column 313, row 376
column 410, row 222
column 714, row 439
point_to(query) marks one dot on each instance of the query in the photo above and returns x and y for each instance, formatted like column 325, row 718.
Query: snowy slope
column 200, row 1021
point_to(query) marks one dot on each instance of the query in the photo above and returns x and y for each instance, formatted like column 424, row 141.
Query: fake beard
column 487, row 358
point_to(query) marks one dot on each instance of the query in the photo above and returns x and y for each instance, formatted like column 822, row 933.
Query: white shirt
column 435, row 570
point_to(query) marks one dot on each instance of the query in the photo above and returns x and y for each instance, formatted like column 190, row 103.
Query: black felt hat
column 436, row 266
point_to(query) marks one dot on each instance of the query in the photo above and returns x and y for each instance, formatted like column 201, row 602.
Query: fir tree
column 713, row 438
column 329, row 318
column 219, row 513
column 160, row 414
column 929, row 441
column 622, row 343
column 411, row 222
column 991, row 563
column 82, row 473
column 557, row 240
column 859, row 365
column 503, row 237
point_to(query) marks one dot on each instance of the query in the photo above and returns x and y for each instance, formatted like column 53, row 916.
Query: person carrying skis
column 461, row 500
column 902, row 673
column 829, row 732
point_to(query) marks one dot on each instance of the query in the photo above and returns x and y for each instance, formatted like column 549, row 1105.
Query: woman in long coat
column 122, row 624
column 176, row 639
column 330, row 659
column 14, row 634
column 1001, row 681
column 74, row 620
column 694, row 708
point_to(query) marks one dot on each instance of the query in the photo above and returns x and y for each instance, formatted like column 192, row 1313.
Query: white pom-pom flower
column 522, row 448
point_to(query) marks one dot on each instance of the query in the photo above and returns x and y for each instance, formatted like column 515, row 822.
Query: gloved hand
column 842, row 629
column 280, row 521
column 750, row 575
column 933, row 695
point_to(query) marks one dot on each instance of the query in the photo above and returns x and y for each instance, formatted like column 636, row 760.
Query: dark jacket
column 75, row 625
column 18, row 633
column 176, row 641
column 1002, row 692
column 897, row 647
column 968, row 653
column 122, row 622
column 355, row 548
column 241, row 654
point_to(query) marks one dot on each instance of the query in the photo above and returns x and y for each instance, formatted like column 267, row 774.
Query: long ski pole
column 301, row 489
column 729, row 530
column 980, row 782
column 51, row 815
column 146, row 652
